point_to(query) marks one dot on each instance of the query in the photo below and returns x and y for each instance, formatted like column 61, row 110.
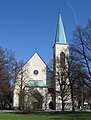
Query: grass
column 47, row 116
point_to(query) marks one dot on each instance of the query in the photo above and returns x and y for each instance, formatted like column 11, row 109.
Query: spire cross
column 36, row 49
column 59, row 11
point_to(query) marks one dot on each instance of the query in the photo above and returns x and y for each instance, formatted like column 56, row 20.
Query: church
column 38, row 87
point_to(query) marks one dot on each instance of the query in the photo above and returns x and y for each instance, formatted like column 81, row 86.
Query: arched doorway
column 51, row 105
column 39, row 98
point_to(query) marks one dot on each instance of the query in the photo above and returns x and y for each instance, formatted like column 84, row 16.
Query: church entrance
column 51, row 105
column 39, row 98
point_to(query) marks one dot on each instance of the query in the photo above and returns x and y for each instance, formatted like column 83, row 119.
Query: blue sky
column 29, row 24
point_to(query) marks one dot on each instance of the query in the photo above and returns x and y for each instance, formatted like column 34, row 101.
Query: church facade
column 39, row 88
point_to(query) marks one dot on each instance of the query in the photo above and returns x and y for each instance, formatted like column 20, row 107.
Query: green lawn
column 46, row 116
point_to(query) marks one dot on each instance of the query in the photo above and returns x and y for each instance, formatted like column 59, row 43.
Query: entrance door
column 39, row 98
column 51, row 106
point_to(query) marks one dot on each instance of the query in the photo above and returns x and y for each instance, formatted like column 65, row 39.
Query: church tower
column 60, row 52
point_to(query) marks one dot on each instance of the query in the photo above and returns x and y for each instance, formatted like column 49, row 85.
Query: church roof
column 36, row 83
column 60, row 34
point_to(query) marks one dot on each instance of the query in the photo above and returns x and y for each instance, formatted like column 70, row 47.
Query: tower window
column 62, row 59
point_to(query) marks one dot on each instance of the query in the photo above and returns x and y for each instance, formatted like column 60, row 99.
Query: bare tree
column 64, row 85
column 24, row 92
column 61, row 80
column 77, row 74
column 20, row 82
column 7, row 61
column 82, row 48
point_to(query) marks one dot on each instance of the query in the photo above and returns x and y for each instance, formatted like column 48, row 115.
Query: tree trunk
column 63, row 104
column 72, row 98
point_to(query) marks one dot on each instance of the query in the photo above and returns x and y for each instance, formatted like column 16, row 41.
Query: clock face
column 35, row 72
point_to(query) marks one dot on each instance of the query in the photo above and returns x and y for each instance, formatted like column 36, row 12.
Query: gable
column 36, row 60
column 36, row 68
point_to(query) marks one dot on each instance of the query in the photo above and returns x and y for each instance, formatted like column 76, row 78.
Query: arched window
column 62, row 59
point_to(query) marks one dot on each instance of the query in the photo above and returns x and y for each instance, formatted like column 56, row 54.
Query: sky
column 30, row 25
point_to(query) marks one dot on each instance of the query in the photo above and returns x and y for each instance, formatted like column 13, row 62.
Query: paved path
column 11, row 111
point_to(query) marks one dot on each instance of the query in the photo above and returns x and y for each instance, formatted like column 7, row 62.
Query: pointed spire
column 60, row 34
